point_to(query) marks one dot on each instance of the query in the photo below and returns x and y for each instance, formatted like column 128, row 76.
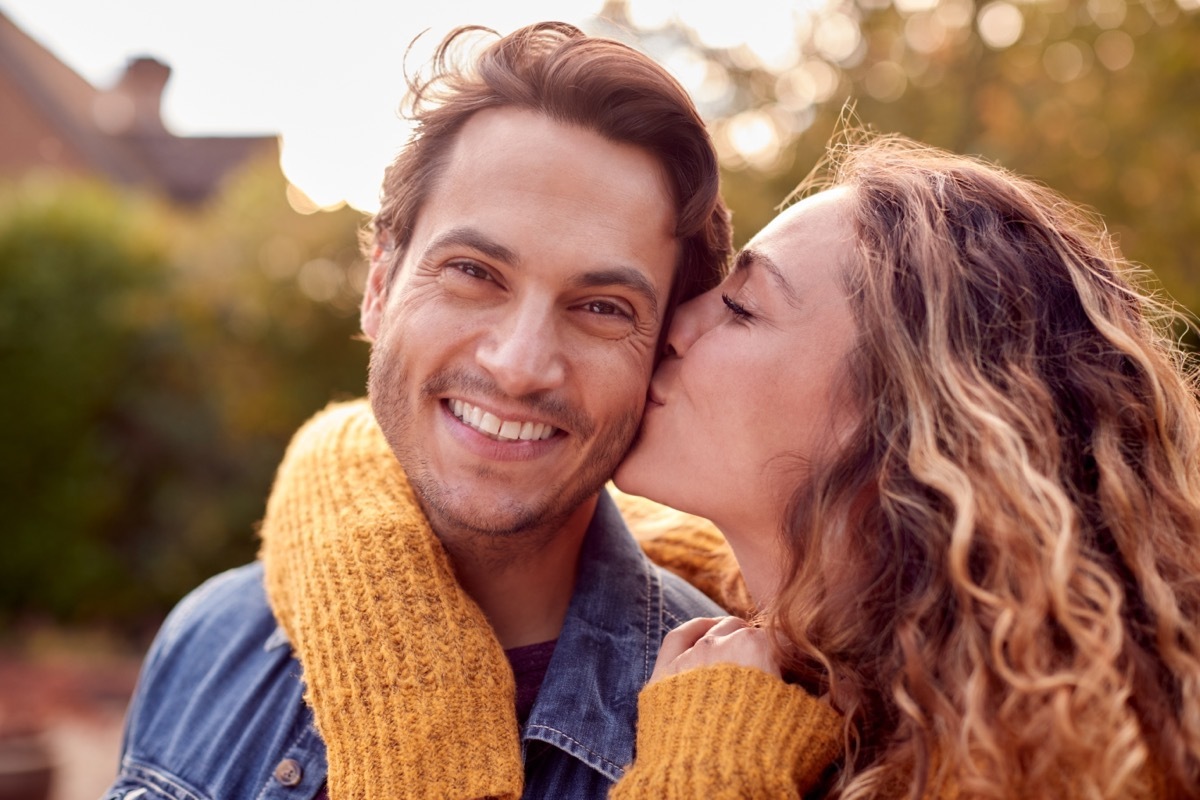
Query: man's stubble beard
column 532, row 522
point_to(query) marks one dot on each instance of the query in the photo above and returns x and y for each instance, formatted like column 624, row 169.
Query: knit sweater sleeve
column 410, row 689
column 727, row 731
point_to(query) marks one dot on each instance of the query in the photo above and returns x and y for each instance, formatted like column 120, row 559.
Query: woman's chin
column 636, row 475
column 626, row 478
column 657, row 483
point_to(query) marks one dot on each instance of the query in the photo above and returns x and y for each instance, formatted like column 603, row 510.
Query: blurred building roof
column 53, row 119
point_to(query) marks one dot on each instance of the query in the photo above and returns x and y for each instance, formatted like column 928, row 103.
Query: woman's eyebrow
column 749, row 257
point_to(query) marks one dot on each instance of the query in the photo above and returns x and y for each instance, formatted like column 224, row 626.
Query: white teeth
column 492, row 425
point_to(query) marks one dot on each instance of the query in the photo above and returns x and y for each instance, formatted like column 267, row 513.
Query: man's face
column 513, row 348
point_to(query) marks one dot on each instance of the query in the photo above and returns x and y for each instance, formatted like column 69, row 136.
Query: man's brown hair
column 599, row 84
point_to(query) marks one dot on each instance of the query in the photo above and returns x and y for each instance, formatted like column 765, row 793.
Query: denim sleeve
column 218, row 711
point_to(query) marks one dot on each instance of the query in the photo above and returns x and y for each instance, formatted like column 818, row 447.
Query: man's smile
column 499, row 429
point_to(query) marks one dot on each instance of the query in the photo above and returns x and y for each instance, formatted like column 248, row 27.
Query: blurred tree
column 157, row 363
column 73, row 284
column 1100, row 99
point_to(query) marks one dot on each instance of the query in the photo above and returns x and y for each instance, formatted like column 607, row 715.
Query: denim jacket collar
column 587, row 705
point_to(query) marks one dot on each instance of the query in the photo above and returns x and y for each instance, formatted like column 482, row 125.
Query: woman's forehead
column 816, row 209
column 809, row 228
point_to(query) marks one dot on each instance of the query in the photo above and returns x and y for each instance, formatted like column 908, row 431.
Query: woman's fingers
column 683, row 637
column 724, row 627
column 745, row 646
column 726, row 640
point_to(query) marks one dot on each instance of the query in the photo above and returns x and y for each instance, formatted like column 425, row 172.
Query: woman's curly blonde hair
column 998, row 579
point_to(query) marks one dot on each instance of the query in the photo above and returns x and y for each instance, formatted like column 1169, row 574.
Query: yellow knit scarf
column 410, row 689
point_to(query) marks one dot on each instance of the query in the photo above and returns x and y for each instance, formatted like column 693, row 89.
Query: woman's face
column 747, row 393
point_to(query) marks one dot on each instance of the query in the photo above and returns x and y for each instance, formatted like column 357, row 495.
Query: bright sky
column 327, row 76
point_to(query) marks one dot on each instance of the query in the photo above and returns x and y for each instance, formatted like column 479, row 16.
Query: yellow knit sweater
column 412, row 692
column 727, row 731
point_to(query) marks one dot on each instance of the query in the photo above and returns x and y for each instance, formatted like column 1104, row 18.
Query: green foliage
column 157, row 362
column 1098, row 98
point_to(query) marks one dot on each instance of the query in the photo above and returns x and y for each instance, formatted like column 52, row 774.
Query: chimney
column 134, row 105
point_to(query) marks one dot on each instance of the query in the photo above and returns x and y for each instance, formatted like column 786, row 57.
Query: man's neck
column 523, row 582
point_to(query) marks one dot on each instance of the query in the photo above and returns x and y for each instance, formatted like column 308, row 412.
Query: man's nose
column 524, row 352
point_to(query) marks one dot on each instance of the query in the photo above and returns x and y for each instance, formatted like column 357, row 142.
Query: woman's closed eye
column 738, row 310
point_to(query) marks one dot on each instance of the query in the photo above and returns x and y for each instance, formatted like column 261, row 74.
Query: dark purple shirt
column 529, row 665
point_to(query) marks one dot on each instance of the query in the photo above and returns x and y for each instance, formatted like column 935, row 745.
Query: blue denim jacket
column 219, row 712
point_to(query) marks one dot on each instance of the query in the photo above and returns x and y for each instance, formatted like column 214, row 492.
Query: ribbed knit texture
column 727, row 731
column 410, row 689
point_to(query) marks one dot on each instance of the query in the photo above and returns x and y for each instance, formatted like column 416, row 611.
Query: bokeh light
column 837, row 37
column 339, row 133
column 1000, row 24
column 886, row 81
column 1114, row 49
column 1107, row 14
column 914, row 6
column 753, row 137
column 925, row 33
column 766, row 29
column 955, row 14
column 1067, row 61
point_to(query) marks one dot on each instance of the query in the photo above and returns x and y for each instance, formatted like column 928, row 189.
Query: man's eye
column 605, row 308
column 472, row 270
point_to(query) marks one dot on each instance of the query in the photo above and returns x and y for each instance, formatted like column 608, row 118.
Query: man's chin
column 475, row 512
column 495, row 522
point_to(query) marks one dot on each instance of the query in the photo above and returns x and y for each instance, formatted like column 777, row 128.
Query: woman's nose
column 690, row 322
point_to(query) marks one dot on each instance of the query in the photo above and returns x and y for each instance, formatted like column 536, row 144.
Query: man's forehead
column 521, row 187
column 497, row 142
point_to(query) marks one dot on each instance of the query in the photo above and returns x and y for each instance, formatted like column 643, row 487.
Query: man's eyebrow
column 476, row 240
column 628, row 277
column 749, row 257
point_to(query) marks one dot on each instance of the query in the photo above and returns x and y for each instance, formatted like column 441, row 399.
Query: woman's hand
column 715, row 640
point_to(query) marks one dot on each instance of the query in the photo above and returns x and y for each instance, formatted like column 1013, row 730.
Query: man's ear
column 375, row 292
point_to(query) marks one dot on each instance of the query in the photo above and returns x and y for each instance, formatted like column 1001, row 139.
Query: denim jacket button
column 288, row 772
